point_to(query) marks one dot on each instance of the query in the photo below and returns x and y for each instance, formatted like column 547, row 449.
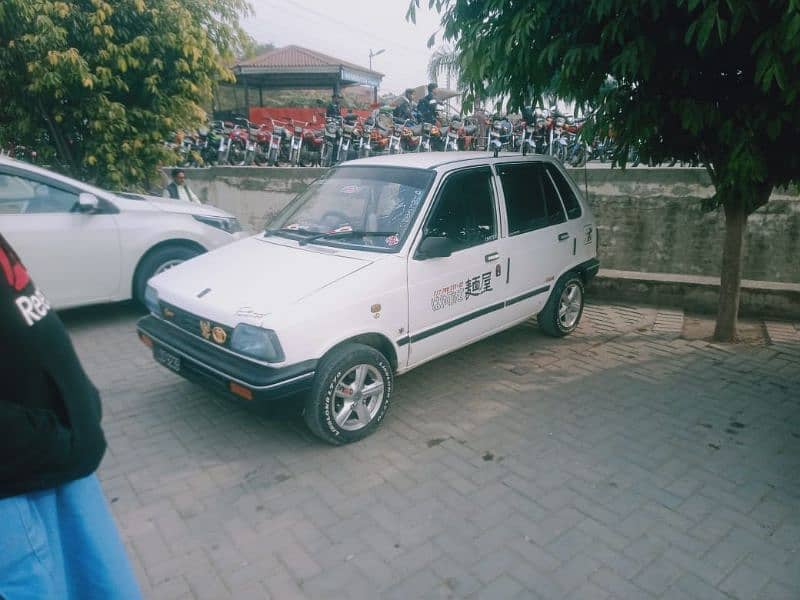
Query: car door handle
column 562, row 236
column 492, row 257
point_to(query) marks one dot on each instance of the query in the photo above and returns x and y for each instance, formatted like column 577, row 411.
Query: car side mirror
column 434, row 247
column 88, row 203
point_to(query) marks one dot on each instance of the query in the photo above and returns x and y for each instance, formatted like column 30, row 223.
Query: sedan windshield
column 366, row 207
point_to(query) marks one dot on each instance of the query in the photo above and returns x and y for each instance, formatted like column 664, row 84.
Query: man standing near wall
column 178, row 188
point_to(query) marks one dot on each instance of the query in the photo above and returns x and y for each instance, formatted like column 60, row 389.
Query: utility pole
column 375, row 87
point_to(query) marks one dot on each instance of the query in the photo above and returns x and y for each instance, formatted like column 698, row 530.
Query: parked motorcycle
column 277, row 143
column 311, row 149
column 500, row 134
column 453, row 133
column 365, row 145
column 410, row 136
column 424, row 144
column 241, row 147
column 295, row 143
column 347, row 139
column 330, row 148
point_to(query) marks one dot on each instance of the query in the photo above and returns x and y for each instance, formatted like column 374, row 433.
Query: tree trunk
column 61, row 144
column 731, row 275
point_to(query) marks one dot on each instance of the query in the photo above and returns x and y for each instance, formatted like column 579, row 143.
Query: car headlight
column 227, row 224
column 257, row 343
column 151, row 300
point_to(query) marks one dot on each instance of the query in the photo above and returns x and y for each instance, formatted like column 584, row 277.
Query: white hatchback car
column 83, row 245
column 379, row 266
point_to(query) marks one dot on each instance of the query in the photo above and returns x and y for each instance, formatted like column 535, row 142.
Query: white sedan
column 84, row 245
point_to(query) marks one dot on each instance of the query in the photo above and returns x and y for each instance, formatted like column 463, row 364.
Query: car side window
column 465, row 211
column 532, row 201
column 565, row 190
column 19, row 195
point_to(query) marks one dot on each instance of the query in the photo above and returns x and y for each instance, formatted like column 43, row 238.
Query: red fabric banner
column 313, row 116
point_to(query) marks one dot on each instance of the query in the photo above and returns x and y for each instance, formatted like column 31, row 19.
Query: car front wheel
column 562, row 313
column 350, row 395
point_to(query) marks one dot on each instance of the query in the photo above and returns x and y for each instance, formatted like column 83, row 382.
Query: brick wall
column 650, row 220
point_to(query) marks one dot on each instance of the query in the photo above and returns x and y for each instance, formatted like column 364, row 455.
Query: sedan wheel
column 157, row 261
column 167, row 265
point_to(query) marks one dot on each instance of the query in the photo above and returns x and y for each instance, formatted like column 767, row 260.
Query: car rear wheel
column 350, row 395
column 562, row 313
column 158, row 261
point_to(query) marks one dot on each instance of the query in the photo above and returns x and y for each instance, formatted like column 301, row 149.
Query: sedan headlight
column 227, row 224
column 151, row 300
column 256, row 342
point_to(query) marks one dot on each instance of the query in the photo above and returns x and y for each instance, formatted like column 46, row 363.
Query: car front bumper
column 225, row 372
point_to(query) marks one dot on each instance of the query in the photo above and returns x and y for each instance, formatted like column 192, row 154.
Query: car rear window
column 567, row 195
column 531, row 199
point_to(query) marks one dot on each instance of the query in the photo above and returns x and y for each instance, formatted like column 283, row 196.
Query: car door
column 456, row 299
column 539, row 246
column 580, row 229
column 72, row 257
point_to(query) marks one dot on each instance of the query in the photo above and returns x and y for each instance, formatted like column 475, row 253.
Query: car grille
column 216, row 333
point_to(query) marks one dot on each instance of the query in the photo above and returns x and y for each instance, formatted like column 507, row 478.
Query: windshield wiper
column 345, row 234
column 269, row 232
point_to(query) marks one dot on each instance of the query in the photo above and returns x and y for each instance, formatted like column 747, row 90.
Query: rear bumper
column 214, row 368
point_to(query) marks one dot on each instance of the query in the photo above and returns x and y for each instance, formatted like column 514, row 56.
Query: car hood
column 186, row 208
column 255, row 277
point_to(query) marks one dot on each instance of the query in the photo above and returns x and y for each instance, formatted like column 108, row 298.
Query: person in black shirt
column 51, row 443
column 334, row 108
column 426, row 105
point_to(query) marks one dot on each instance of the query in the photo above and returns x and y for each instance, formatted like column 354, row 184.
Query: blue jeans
column 63, row 543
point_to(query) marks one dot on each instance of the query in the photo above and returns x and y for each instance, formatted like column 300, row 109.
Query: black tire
column 272, row 158
column 159, row 260
column 326, row 158
column 237, row 154
column 559, row 317
column 321, row 405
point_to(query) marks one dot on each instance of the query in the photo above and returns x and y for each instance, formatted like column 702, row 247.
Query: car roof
column 436, row 160
column 53, row 175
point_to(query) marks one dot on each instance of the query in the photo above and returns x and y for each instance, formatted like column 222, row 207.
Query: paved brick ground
column 621, row 462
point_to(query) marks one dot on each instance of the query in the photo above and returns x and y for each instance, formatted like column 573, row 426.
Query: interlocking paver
column 622, row 461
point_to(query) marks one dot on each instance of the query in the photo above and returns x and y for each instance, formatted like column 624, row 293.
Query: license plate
column 167, row 359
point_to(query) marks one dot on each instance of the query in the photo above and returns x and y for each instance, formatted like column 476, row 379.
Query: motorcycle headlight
column 256, row 342
column 226, row 224
column 151, row 300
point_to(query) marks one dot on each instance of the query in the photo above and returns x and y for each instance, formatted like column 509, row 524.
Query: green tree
column 96, row 86
column 719, row 78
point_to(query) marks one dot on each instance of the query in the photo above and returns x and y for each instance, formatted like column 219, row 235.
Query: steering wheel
column 339, row 216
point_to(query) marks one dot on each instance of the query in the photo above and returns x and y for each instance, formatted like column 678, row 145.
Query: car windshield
column 365, row 207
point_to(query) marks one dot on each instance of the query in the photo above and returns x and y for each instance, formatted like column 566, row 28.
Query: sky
column 349, row 29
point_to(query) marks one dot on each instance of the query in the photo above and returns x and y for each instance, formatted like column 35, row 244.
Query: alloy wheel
column 569, row 305
column 358, row 397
